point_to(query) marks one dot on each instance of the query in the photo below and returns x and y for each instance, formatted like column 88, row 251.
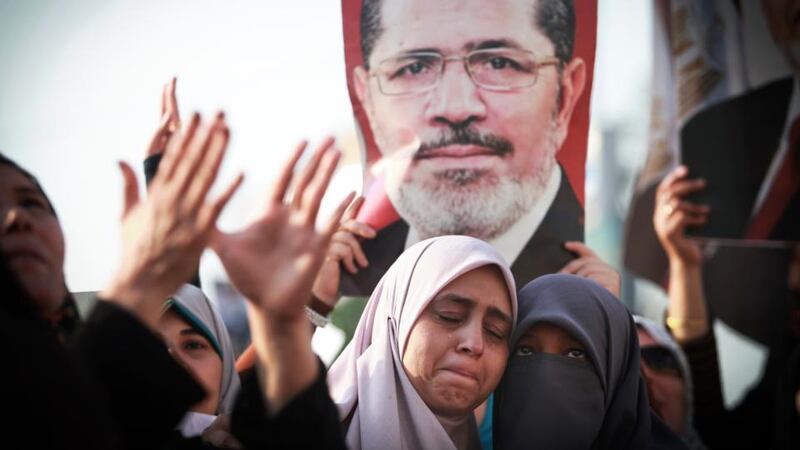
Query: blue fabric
column 485, row 429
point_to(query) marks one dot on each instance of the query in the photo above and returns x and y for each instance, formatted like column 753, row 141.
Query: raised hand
column 589, row 265
column 673, row 214
column 164, row 235
column 170, row 119
column 344, row 249
column 274, row 261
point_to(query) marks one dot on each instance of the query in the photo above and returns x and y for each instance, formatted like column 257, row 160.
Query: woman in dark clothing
column 32, row 233
column 573, row 378
column 113, row 386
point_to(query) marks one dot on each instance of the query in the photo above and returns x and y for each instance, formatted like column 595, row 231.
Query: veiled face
column 548, row 338
column 457, row 349
column 31, row 240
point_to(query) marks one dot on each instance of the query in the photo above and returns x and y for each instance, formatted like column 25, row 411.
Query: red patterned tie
column 784, row 186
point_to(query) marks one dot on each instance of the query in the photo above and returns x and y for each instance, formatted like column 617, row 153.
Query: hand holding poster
column 474, row 120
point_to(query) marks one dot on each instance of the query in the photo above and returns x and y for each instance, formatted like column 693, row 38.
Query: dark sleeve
column 310, row 420
column 747, row 425
column 147, row 392
column 704, row 365
column 150, row 169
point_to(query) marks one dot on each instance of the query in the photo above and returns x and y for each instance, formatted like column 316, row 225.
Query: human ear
column 360, row 79
column 572, row 83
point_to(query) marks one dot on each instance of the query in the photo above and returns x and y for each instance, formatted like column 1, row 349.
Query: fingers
column 683, row 187
column 208, row 169
column 579, row 248
column 170, row 122
column 353, row 209
column 164, row 96
column 576, row 264
column 345, row 238
column 344, row 247
column 677, row 173
column 309, row 171
column 343, row 253
column 675, row 184
column 197, row 154
column 176, row 149
column 333, row 222
column 594, row 269
column 692, row 208
column 311, row 197
column 666, row 211
column 171, row 106
column 359, row 229
column 682, row 219
column 669, row 202
column 218, row 205
column 282, row 183
column 159, row 140
column 216, row 240
column 131, row 188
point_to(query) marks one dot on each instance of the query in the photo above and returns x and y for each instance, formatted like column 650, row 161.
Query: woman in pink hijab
column 431, row 345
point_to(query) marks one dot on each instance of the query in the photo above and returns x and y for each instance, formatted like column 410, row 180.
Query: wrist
column 679, row 263
column 139, row 302
column 276, row 328
column 687, row 329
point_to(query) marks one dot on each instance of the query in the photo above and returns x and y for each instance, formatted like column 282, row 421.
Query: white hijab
column 368, row 381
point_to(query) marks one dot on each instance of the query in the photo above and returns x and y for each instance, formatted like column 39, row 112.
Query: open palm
column 273, row 261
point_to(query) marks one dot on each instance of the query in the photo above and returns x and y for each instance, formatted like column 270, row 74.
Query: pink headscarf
column 368, row 379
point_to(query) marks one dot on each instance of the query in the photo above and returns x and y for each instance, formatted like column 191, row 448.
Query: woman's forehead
column 548, row 331
column 14, row 178
column 484, row 285
column 15, row 181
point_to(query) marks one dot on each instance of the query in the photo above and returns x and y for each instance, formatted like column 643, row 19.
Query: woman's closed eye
column 496, row 334
column 33, row 203
column 449, row 317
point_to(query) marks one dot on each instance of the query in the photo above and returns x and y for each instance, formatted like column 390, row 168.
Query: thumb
column 217, row 241
column 578, row 248
column 131, row 186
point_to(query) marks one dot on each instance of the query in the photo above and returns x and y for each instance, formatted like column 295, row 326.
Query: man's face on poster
column 481, row 132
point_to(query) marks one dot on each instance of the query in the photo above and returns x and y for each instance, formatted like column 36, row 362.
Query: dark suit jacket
column 731, row 145
column 544, row 253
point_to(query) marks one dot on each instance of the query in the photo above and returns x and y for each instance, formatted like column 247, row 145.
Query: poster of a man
column 465, row 108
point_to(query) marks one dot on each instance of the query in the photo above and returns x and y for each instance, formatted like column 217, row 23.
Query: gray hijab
column 197, row 309
column 552, row 401
column 663, row 338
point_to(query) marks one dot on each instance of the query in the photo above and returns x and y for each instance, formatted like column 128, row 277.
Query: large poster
column 474, row 118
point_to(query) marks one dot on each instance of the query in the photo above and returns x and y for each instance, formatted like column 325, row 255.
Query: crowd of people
column 455, row 349
column 448, row 353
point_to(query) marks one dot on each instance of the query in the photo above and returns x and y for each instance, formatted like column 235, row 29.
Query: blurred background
column 80, row 89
